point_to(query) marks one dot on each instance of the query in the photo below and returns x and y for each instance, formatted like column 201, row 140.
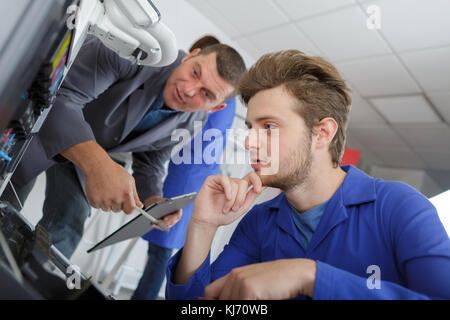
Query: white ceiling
column 399, row 74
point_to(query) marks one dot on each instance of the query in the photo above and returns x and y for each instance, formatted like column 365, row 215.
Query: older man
column 107, row 105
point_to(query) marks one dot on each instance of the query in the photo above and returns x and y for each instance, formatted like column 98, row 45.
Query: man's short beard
column 298, row 169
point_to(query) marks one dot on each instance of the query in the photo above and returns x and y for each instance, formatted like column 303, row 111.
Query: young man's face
column 195, row 85
column 283, row 159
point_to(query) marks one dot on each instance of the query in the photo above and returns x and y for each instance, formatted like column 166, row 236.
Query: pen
column 153, row 220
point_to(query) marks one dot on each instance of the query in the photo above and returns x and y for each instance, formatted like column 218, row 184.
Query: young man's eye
column 269, row 126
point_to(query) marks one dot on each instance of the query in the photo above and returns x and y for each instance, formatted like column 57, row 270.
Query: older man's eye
column 208, row 95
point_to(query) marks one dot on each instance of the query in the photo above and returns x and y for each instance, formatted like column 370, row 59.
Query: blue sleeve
column 421, row 248
column 243, row 249
column 194, row 288
column 336, row 284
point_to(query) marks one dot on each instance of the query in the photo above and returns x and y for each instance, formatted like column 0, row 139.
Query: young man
column 107, row 105
column 335, row 233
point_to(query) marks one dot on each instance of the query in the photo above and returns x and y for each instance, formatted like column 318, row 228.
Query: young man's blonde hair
column 314, row 82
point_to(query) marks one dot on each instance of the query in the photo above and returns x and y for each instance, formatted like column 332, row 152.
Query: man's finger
column 214, row 289
column 241, row 194
column 157, row 227
column 172, row 219
column 93, row 204
column 227, row 289
column 229, row 203
column 129, row 204
column 225, row 182
column 136, row 196
column 253, row 179
column 249, row 199
column 116, row 207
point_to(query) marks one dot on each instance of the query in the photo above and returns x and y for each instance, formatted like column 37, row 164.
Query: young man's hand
column 222, row 199
column 274, row 280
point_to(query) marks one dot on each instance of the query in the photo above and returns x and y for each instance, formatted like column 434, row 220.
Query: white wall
column 442, row 204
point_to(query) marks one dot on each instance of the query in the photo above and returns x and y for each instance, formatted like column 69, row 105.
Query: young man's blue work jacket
column 375, row 240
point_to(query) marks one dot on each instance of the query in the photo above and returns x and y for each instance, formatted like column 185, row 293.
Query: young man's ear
column 192, row 54
column 325, row 131
column 219, row 107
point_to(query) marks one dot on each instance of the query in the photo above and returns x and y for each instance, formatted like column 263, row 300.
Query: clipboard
column 140, row 225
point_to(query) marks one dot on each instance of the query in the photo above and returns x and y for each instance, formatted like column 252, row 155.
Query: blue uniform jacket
column 187, row 178
column 368, row 222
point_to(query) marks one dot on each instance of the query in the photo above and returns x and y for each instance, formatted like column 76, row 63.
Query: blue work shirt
column 186, row 178
column 368, row 222
column 307, row 222
column 155, row 115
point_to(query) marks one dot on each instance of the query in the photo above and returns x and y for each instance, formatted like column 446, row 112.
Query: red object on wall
column 351, row 156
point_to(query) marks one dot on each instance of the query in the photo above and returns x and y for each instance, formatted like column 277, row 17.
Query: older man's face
column 195, row 85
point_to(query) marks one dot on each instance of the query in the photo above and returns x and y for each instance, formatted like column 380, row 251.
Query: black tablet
column 140, row 225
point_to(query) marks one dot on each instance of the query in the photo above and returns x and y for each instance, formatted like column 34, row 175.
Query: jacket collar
column 356, row 189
